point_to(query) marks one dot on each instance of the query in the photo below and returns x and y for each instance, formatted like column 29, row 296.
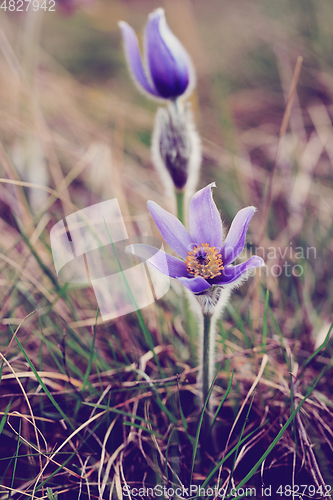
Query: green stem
column 205, row 439
column 206, row 356
column 180, row 204
column 191, row 327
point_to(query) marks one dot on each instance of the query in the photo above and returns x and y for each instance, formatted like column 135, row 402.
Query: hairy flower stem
column 180, row 204
column 206, row 371
column 206, row 356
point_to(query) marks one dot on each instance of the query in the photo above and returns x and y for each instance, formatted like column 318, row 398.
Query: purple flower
column 168, row 69
column 205, row 258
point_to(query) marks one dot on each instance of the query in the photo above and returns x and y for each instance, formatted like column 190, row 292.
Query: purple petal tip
column 205, row 220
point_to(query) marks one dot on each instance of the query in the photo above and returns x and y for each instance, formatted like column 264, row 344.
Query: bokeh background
column 69, row 108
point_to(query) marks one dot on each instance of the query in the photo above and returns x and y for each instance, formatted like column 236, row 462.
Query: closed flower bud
column 176, row 146
column 168, row 71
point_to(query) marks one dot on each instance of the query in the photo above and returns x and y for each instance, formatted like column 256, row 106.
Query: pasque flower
column 205, row 256
column 167, row 69
column 204, row 267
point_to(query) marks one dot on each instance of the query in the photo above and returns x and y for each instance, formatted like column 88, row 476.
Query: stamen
column 204, row 261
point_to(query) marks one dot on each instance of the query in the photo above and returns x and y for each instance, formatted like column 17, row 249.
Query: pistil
column 204, row 261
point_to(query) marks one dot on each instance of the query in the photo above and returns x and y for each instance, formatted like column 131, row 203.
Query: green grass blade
column 150, row 431
column 51, row 495
column 71, row 456
column 222, row 401
column 217, row 467
column 239, row 441
column 278, row 331
column 239, row 323
column 167, row 453
column 64, row 416
column 264, row 323
column 322, row 346
column 196, row 442
column 16, row 457
column 119, row 412
column 182, row 416
column 91, row 357
column 4, row 418
column 280, row 434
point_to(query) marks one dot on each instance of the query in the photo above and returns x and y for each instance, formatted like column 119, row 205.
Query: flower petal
column 171, row 229
column 196, row 285
column 165, row 263
column 235, row 241
column 168, row 62
column 134, row 60
column 232, row 273
column 205, row 220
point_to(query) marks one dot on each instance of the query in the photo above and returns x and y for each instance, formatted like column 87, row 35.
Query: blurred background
column 72, row 120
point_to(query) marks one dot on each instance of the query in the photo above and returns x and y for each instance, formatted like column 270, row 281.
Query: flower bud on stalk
column 176, row 149
column 166, row 73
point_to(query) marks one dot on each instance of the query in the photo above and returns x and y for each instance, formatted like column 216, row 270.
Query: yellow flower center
column 204, row 261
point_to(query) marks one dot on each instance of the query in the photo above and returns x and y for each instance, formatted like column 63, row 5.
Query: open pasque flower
column 167, row 72
column 205, row 257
